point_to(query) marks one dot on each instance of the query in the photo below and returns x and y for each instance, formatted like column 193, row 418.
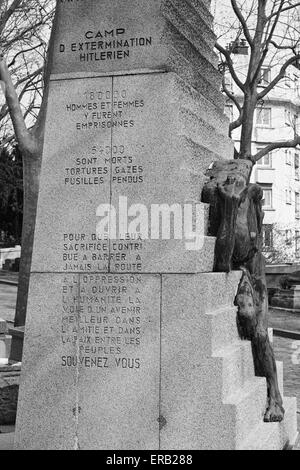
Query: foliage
column 11, row 196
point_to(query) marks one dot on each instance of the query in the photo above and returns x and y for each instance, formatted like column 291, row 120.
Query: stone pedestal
column 287, row 299
column 131, row 343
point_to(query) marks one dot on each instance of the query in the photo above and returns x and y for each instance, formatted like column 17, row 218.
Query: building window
column 266, row 160
column 288, row 196
column 287, row 117
column 297, row 173
column 288, row 237
column 229, row 111
column 288, row 80
column 267, row 233
column 263, row 117
column 297, row 243
column 288, row 156
column 267, row 197
column 295, row 121
column 297, row 205
column 265, row 77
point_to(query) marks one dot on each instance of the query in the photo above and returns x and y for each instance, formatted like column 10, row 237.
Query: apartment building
column 278, row 173
column 276, row 119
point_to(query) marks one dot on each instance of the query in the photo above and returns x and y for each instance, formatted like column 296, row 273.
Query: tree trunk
column 31, row 173
column 247, row 126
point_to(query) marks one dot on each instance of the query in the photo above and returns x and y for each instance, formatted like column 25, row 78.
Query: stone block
column 98, row 367
column 47, row 416
column 164, row 173
column 5, row 344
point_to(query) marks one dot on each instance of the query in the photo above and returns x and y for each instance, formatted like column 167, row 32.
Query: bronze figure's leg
column 252, row 326
column 236, row 217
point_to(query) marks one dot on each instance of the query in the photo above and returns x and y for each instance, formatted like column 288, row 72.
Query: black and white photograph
column 149, row 228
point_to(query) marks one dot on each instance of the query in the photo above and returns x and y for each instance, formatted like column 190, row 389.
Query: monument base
column 191, row 385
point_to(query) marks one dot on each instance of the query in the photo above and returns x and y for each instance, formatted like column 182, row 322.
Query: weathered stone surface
column 126, row 392
column 210, row 398
column 97, row 375
column 46, row 410
column 162, row 171
column 145, row 355
column 143, row 34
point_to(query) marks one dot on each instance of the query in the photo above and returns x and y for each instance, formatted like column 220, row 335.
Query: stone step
column 199, row 158
column 237, row 367
column 232, row 368
column 279, row 366
column 204, row 134
column 222, row 329
column 274, row 436
column 200, row 294
column 179, row 64
column 183, row 17
column 250, row 404
column 206, row 66
column 197, row 103
column 221, row 336
column 203, row 9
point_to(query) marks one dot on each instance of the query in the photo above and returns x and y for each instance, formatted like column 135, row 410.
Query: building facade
column 278, row 173
column 276, row 119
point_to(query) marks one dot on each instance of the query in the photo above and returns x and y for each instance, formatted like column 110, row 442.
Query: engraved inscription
column 105, row 44
column 104, row 109
column 103, row 318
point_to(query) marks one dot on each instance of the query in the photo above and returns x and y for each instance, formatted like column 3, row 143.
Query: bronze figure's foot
column 274, row 412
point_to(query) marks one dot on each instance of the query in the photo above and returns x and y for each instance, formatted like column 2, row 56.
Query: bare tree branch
column 243, row 22
column 280, row 75
column 290, row 7
column 230, row 65
column 277, row 145
column 230, row 95
column 8, row 13
column 24, row 137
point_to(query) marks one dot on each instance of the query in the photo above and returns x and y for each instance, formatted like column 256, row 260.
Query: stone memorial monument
column 131, row 339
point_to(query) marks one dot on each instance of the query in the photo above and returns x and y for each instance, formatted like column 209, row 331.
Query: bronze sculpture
column 235, row 220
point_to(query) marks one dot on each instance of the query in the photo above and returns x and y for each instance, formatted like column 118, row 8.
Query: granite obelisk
column 131, row 341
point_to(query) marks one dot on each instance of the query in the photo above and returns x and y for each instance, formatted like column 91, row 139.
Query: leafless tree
column 271, row 29
column 24, row 32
